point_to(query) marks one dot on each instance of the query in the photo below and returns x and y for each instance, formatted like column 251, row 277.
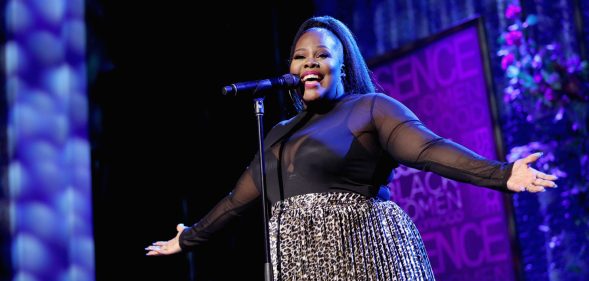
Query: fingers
column 544, row 183
column 539, row 184
column 180, row 227
column 535, row 188
column 546, row 176
column 154, row 251
column 532, row 157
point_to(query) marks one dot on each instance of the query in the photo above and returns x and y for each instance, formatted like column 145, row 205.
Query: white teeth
column 310, row 76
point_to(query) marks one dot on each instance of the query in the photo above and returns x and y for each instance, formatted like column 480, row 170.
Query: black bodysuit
column 348, row 145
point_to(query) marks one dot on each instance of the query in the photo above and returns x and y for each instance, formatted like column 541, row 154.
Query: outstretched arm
column 244, row 193
column 414, row 145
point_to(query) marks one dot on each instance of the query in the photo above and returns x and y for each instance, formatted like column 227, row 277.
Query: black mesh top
column 348, row 145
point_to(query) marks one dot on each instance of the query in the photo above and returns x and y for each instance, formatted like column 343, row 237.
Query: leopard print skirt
column 345, row 236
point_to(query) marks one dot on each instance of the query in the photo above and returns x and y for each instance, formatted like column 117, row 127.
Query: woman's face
column 318, row 60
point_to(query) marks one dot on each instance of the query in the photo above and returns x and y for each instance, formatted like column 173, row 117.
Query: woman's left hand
column 525, row 178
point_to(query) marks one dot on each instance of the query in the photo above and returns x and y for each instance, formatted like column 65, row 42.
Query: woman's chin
column 311, row 95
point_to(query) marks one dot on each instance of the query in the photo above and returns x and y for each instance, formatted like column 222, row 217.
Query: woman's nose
column 311, row 63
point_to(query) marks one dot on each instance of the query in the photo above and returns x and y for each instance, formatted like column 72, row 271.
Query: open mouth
column 311, row 79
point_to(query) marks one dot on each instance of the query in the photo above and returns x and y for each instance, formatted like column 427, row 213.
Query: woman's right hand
column 169, row 247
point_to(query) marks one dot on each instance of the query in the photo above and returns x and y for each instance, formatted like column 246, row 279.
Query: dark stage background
column 166, row 145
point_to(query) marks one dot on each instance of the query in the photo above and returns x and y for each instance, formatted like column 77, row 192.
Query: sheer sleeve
column 241, row 197
column 410, row 143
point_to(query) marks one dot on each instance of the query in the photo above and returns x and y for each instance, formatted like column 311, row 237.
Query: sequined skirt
column 345, row 236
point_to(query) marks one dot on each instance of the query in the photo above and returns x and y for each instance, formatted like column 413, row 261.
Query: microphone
column 286, row 81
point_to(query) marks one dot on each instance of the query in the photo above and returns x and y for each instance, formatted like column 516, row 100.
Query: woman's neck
column 323, row 105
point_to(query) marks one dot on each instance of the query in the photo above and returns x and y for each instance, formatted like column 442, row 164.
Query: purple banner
column 465, row 228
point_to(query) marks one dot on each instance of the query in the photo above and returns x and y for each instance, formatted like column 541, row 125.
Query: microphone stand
column 259, row 111
column 285, row 81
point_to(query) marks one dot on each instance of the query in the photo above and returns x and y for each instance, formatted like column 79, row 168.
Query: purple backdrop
column 465, row 228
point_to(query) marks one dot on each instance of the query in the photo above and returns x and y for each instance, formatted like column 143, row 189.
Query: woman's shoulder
column 285, row 122
column 374, row 98
column 381, row 103
column 372, row 95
